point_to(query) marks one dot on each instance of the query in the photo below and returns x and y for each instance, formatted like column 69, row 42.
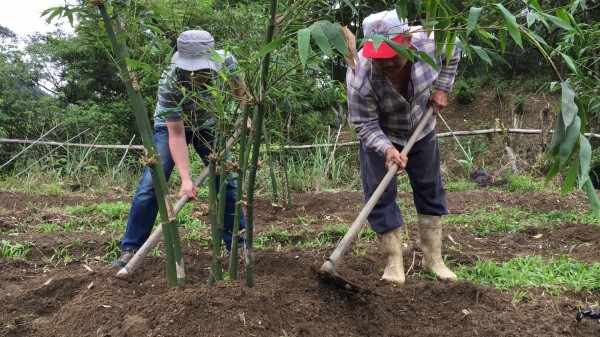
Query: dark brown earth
column 288, row 299
column 41, row 296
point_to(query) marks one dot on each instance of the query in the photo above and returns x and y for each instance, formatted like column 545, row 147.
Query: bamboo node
column 148, row 161
column 213, row 157
column 233, row 167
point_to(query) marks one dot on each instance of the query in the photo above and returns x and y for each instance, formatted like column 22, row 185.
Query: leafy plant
column 14, row 250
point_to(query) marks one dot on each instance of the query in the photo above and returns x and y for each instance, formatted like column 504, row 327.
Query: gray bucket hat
column 193, row 51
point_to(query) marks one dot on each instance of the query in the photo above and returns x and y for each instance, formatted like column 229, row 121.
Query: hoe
column 328, row 270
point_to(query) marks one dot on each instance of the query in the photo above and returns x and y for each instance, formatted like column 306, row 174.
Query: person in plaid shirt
column 387, row 97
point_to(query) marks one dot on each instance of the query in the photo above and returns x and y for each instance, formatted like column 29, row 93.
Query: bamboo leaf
column 321, row 39
column 351, row 5
column 585, row 158
column 557, row 137
column 593, row 198
column 440, row 36
column 537, row 38
column 535, row 5
column 496, row 57
column 402, row 9
column 406, row 53
column 502, row 37
column 531, row 17
column 336, row 36
column 423, row 56
column 562, row 14
column 570, row 178
column 473, row 16
column 450, row 45
column 511, row 24
column 161, row 10
column 554, row 169
column 558, row 21
column 574, row 68
column 568, row 105
column 482, row 54
column 568, row 144
column 303, row 45
column 271, row 46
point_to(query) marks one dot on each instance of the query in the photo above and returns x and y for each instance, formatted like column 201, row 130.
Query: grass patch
column 485, row 219
column 112, row 210
column 14, row 250
column 554, row 275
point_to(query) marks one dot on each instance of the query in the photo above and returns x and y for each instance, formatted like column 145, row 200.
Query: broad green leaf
column 303, row 45
column 568, row 105
column 473, row 16
column 531, row 19
column 271, row 46
column 377, row 41
column 554, row 169
column 557, row 21
column 336, row 36
column 511, row 24
column 396, row 47
column 486, row 37
column 535, row 5
column 585, row 158
column 161, row 10
column 482, row 54
column 570, row 178
column 496, row 57
column 562, row 14
column 574, row 68
column 431, row 23
column 440, row 35
column 557, row 137
column 402, row 9
column 568, row 143
column 593, row 197
column 423, row 56
column 450, row 45
column 321, row 39
column 502, row 36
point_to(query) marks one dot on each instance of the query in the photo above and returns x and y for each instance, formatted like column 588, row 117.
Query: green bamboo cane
column 233, row 261
column 256, row 147
column 271, row 170
column 175, row 270
column 216, row 272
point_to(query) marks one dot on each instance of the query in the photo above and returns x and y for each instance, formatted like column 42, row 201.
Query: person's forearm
column 178, row 147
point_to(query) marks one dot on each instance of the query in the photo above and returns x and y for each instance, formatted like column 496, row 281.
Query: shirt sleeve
column 169, row 103
column 447, row 74
column 363, row 113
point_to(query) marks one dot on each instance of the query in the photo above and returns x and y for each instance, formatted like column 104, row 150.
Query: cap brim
column 193, row 64
column 383, row 52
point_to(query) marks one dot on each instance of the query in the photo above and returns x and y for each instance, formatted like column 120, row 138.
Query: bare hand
column 439, row 100
column 248, row 124
column 187, row 188
column 393, row 156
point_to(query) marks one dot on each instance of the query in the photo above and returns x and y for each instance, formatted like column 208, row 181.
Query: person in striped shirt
column 387, row 97
column 184, row 115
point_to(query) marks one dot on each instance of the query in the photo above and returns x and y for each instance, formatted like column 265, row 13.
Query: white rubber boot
column 391, row 248
column 430, row 234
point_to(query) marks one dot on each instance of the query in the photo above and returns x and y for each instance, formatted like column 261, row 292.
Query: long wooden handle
column 336, row 257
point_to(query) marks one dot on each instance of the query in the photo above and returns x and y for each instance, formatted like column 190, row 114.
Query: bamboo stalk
column 170, row 233
column 215, row 266
column 256, row 147
column 233, row 261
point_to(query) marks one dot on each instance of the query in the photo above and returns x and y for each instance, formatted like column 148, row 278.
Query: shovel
column 328, row 269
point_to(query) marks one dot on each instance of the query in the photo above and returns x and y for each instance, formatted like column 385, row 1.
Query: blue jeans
column 144, row 206
column 424, row 174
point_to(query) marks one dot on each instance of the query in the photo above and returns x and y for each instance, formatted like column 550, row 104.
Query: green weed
column 553, row 275
column 485, row 219
column 14, row 250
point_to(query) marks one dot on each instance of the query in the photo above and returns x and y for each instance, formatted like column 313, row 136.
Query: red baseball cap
column 384, row 23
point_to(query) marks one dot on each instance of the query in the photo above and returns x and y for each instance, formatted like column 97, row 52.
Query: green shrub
column 306, row 126
column 464, row 90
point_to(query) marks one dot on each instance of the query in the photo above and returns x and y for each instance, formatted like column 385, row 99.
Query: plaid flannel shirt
column 382, row 116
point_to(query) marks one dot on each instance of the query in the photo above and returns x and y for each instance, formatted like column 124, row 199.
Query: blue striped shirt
column 382, row 116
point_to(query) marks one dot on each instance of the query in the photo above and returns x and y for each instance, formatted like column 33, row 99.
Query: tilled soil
column 51, row 298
